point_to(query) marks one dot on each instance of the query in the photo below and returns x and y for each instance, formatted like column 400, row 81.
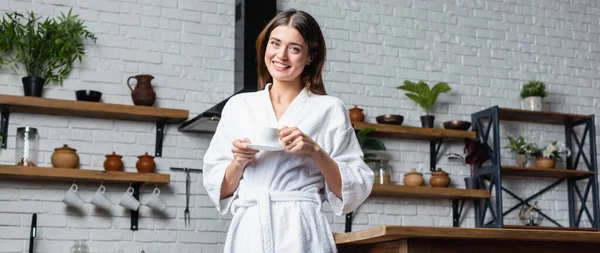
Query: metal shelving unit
column 494, row 173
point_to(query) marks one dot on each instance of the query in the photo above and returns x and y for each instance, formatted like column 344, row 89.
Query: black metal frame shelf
column 494, row 173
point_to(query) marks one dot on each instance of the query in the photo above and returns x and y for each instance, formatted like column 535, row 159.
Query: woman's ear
column 310, row 58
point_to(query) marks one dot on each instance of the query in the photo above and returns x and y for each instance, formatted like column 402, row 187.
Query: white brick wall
column 484, row 49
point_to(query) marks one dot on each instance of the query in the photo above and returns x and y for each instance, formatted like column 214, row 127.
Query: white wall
column 484, row 49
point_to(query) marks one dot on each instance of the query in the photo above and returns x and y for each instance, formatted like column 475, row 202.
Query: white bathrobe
column 277, row 205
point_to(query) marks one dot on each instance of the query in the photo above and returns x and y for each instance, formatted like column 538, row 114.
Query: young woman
column 275, row 196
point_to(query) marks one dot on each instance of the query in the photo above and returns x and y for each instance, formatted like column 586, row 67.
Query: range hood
column 251, row 16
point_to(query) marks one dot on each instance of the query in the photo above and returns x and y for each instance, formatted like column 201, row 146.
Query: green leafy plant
column 423, row 94
column 534, row 89
column 47, row 48
column 367, row 142
column 521, row 146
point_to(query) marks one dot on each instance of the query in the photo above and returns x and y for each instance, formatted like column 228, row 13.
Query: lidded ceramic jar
column 65, row 157
column 145, row 164
column 413, row 178
column 356, row 114
column 439, row 178
column 113, row 162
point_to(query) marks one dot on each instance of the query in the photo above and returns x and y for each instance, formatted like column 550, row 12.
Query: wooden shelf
column 541, row 117
column 51, row 106
column 427, row 192
column 549, row 228
column 417, row 133
column 539, row 172
column 63, row 174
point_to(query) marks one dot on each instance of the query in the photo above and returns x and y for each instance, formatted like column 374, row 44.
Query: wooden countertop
column 391, row 233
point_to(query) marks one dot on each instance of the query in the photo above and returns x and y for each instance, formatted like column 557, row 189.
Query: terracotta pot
column 413, row 178
column 439, row 178
column 145, row 164
column 544, row 163
column 65, row 157
column 113, row 162
column 356, row 114
column 143, row 94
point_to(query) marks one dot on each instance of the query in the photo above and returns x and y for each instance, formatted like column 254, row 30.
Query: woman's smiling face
column 286, row 54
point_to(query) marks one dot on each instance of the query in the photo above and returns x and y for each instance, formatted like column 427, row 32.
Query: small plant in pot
column 522, row 149
column 46, row 48
column 532, row 94
column 546, row 157
column 381, row 170
column 425, row 96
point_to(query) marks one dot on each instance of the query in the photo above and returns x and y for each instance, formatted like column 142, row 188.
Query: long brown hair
column 312, row 35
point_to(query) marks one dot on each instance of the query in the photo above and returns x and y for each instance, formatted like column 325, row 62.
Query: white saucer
column 265, row 147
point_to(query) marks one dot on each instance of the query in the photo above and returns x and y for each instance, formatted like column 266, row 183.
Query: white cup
column 72, row 198
column 128, row 200
column 267, row 136
column 100, row 200
column 155, row 202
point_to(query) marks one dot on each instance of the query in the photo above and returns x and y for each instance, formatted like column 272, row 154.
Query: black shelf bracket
column 434, row 150
column 160, row 130
column 4, row 124
column 457, row 209
column 348, row 222
column 135, row 214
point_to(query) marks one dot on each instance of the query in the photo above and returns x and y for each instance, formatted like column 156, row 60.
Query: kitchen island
column 405, row 239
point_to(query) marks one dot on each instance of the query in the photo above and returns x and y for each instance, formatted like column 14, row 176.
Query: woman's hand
column 296, row 141
column 242, row 155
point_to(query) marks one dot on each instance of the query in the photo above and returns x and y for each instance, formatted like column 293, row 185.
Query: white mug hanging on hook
column 27, row 146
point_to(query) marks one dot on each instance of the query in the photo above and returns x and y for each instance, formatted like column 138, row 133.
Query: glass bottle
column 27, row 146
column 383, row 173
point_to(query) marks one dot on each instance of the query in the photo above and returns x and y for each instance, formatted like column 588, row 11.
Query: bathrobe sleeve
column 344, row 149
column 218, row 157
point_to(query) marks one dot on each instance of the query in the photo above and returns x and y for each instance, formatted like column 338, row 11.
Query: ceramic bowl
column 88, row 95
column 457, row 125
column 391, row 119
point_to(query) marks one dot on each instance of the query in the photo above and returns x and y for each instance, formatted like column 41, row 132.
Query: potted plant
column 380, row 169
column 425, row 97
column 532, row 94
column 47, row 49
column 522, row 149
column 547, row 156
column 367, row 142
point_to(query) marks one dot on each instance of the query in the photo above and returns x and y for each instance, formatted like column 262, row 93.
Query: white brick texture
column 485, row 50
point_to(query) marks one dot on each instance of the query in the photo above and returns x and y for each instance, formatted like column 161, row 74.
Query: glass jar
column 26, row 152
column 383, row 174
column 79, row 247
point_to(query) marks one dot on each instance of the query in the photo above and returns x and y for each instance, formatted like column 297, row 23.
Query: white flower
column 547, row 153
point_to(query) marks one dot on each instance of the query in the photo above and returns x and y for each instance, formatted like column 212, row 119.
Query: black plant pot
column 471, row 183
column 33, row 86
column 427, row 121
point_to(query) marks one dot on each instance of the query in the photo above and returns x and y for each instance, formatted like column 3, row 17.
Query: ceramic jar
column 413, row 178
column 65, row 157
column 544, row 163
column 145, row 164
column 356, row 114
column 113, row 162
column 143, row 94
column 439, row 178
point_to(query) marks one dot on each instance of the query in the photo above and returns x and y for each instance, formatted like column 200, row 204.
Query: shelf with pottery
column 86, row 175
column 416, row 133
column 64, row 107
column 392, row 190
column 391, row 126
column 578, row 199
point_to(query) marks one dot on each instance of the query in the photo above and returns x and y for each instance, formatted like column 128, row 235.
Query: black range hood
column 251, row 16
